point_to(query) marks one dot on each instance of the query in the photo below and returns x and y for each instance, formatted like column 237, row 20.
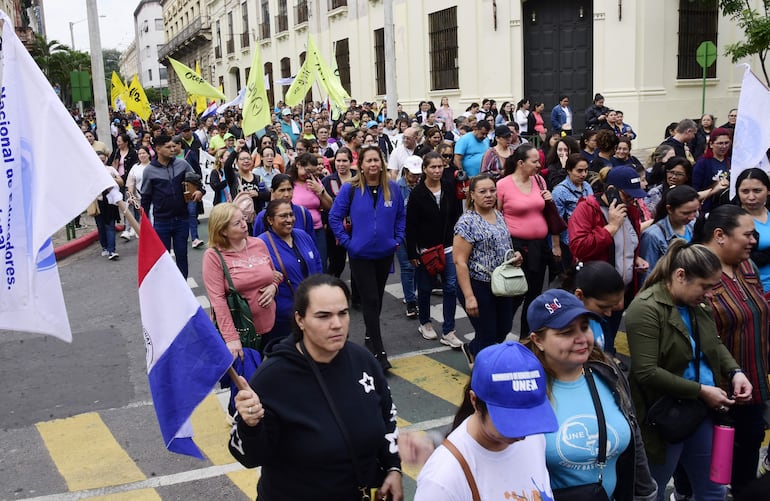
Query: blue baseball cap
column 625, row 177
column 371, row 123
column 555, row 308
column 512, row 382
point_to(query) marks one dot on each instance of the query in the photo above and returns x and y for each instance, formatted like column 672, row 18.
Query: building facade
column 187, row 27
column 129, row 63
column 640, row 54
column 150, row 36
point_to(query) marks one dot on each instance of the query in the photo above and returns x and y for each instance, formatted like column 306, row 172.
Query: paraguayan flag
column 48, row 175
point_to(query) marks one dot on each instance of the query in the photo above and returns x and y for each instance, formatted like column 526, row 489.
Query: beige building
column 129, row 62
column 640, row 54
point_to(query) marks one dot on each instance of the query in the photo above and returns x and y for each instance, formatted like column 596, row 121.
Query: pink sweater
column 309, row 200
column 251, row 270
column 523, row 212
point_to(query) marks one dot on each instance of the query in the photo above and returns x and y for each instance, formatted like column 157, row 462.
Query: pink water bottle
column 722, row 454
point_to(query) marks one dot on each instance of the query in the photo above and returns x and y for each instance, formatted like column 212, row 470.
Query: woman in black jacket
column 431, row 214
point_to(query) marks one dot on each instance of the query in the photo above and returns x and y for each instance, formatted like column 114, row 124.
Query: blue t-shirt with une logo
column 571, row 452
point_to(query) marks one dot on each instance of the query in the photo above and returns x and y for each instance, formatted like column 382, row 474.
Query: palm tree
column 42, row 51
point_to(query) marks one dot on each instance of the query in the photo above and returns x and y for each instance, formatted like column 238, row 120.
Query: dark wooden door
column 558, row 55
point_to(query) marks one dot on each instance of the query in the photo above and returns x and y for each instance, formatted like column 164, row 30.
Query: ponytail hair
column 597, row 279
column 696, row 260
column 724, row 217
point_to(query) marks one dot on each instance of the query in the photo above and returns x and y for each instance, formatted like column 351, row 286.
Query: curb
column 80, row 243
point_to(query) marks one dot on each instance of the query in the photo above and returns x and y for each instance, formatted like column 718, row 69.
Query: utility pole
column 97, row 72
column 391, row 92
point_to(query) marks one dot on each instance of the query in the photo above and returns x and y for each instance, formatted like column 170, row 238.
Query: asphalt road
column 65, row 408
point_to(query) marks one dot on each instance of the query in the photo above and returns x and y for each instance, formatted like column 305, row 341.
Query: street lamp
column 72, row 33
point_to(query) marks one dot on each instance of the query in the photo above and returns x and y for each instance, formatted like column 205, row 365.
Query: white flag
column 752, row 130
column 238, row 101
column 48, row 175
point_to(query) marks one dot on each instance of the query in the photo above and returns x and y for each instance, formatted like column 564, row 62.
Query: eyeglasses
column 448, row 157
column 285, row 215
column 674, row 173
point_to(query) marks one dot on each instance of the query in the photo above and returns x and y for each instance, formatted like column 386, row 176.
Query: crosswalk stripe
column 86, row 453
column 432, row 376
column 212, row 433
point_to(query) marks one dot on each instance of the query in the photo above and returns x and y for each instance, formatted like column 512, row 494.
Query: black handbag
column 594, row 491
column 240, row 311
column 555, row 222
column 675, row 419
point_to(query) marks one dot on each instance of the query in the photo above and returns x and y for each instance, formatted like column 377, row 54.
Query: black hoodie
column 299, row 444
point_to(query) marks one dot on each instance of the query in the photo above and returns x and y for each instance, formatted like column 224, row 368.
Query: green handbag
column 240, row 311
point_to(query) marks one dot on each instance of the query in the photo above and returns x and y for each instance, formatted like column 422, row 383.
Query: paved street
column 76, row 420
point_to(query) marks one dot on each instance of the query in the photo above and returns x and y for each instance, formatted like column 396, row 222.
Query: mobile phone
column 613, row 194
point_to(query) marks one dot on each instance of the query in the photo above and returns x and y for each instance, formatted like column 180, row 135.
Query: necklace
column 245, row 250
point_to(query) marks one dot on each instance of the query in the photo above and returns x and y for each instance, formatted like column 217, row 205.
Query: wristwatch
column 732, row 373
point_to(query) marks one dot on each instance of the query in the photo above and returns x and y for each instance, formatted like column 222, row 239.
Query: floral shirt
column 490, row 243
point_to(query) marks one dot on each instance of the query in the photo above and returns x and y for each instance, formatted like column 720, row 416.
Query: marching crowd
column 454, row 196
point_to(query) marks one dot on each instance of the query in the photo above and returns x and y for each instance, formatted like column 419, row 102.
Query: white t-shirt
column 518, row 472
column 398, row 157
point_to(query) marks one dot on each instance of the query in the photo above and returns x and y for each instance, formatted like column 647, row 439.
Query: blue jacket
column 162, row 188
column 378, row 228
column 566, row 195
column 305, row 245
column 558, row 118
column 654, row 242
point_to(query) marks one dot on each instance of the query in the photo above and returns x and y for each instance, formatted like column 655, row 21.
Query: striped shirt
column 741, row 314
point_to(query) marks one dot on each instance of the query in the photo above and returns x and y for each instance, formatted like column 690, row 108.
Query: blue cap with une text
column 555, row 308
column 512, row 382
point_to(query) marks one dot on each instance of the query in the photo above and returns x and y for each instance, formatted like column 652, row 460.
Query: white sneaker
column 427, row 331
column 126, row 235
column 105, row 253
column 132, row 233
column 113, row 256
column 450, row 339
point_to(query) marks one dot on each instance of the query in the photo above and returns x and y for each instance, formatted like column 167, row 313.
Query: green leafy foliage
column 756, row 28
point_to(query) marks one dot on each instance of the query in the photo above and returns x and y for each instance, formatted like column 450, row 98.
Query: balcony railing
column 197, row 28
column 264, row 31
column 336, row 4
column 245, row 40
column 300, row 12
column 282, row 23
column 231, row 46
column 218, row 52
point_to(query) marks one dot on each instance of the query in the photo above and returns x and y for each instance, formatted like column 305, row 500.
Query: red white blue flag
column 186, row 356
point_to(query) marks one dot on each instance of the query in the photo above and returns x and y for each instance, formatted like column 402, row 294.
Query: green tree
column 756, row 27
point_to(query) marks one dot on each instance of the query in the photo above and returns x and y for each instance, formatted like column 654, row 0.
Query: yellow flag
column 118, row 90
column 326, row 77
column 256, row 109
column 200, row 101
column 194, row 84
column 137, row 100
column 302, row 83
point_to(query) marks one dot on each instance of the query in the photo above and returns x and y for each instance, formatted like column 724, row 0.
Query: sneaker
column 411, row 310
column 105, row 253
column 197, row 243
column 126, row 235
column 132, row 232
column 427, row 331
column 450, row 339
column 466, row 349
column 113, row 256
column 382, row 358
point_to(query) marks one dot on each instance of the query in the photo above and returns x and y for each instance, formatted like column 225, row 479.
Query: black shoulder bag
column 240, row 311
column 675, row 419
column 594, row 491
column 366, row 492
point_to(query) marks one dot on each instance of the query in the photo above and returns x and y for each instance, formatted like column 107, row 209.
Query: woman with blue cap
column 597, row 451
column 497, row 443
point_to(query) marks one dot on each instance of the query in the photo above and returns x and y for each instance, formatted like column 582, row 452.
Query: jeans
column 425, row 286
column 695, row 456
column 495, row 316
column 320, row 243
column 192, row 211
column 407, row 275
column 536, row 257
column 371, row 275
column 175, row 230
column 106, row 229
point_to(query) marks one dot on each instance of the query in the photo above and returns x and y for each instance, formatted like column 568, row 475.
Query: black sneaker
column 411, row 309
column 382, row 358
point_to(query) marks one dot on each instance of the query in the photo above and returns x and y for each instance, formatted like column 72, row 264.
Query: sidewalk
column 84, row 237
